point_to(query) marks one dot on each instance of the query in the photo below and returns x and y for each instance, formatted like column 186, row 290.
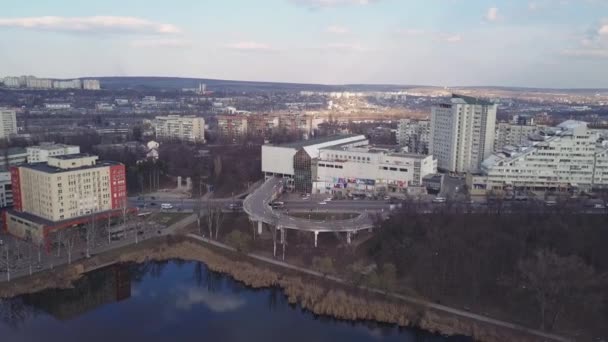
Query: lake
column 177, row 301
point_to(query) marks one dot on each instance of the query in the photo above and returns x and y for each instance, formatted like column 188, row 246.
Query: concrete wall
column 278, row 160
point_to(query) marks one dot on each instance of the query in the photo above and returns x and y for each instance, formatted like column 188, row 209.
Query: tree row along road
column 409, row 299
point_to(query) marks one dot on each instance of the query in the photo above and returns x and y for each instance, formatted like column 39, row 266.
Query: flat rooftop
column 317, row 141
column 49, row 147
column 73, row 156
column 44, row 167
column 472, row 100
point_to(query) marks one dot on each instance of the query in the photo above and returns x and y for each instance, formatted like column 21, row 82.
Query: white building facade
column 571, row 158
column 369, row 170
column 294, row 161
column 513, row 134
column 462, row 133
column 8, row 123
column 41, row 153
column 185, row 128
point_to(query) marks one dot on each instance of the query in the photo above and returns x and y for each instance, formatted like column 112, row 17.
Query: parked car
column 439, row 199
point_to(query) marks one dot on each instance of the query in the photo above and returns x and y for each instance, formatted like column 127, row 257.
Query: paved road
column 413, row 300
column 257, row 206
column 24, row 266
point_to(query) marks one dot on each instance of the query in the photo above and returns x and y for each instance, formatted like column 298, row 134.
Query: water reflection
column 176, row 301
column 104, row 286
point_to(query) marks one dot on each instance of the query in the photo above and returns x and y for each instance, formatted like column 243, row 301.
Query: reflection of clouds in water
column 216, row 302
column 135, row 292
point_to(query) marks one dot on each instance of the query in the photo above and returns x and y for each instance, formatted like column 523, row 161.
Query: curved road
column 257, row 206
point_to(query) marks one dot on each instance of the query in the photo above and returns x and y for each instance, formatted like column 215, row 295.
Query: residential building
column 232, row 126
column 8, row 123
column 462, row 133
column 12, row 82
column 12, row 156
column 42, row 152
column 6, row 192
column 185, row 128
column 570, row 157
column 261, row 125
column 67, row 84
column 414, row 135
column 91, row 85
column 57, row 106
column 367, row 169
column 294, row 161
column 297, row 123
column 515, row 133
column 65, row 191
column 38, row 83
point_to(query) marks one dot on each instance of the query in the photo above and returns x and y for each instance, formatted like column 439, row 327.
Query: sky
column 530, row 43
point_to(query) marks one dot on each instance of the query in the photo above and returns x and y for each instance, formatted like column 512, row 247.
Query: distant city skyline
column 527, row 43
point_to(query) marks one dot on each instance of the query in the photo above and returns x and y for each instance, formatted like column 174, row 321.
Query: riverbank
column 318, row 295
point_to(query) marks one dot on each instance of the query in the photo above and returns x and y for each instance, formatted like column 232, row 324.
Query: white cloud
column 315, row 4
column 250, row 46
column 336, row 29
column 603, row 30
column 492, row 14
column 189, row 297
column 96, row 24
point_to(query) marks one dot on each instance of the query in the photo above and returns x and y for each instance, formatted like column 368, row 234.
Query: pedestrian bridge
column 257, row 206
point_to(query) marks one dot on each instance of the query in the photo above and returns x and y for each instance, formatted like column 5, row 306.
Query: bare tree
column 90, row 235
column 218, row 220
column 210, row 220
column 556, row 282
column 7, row 261
column 69, row 239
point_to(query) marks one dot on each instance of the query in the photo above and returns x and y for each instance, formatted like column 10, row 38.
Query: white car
column 166, row 206
column 439, row 200
column 328, row 199
column 323, row 203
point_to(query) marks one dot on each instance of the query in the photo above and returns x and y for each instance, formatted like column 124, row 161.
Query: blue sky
column 538, row 43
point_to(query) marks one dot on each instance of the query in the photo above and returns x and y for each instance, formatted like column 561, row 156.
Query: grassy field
column 168, row 218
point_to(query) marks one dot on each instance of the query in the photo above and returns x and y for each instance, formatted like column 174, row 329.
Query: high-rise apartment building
column 8, row 123
column 91, row 85
column 414, row 134
column 184, row 128
column 462, row 133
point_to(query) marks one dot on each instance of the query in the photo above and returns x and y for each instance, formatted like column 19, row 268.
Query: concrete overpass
column 257, row 206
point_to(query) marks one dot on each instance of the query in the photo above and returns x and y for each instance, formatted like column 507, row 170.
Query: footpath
column 416, row 301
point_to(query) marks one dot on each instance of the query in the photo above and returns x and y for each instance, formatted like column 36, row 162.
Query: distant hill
column 177, row 83
column 230, row 85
